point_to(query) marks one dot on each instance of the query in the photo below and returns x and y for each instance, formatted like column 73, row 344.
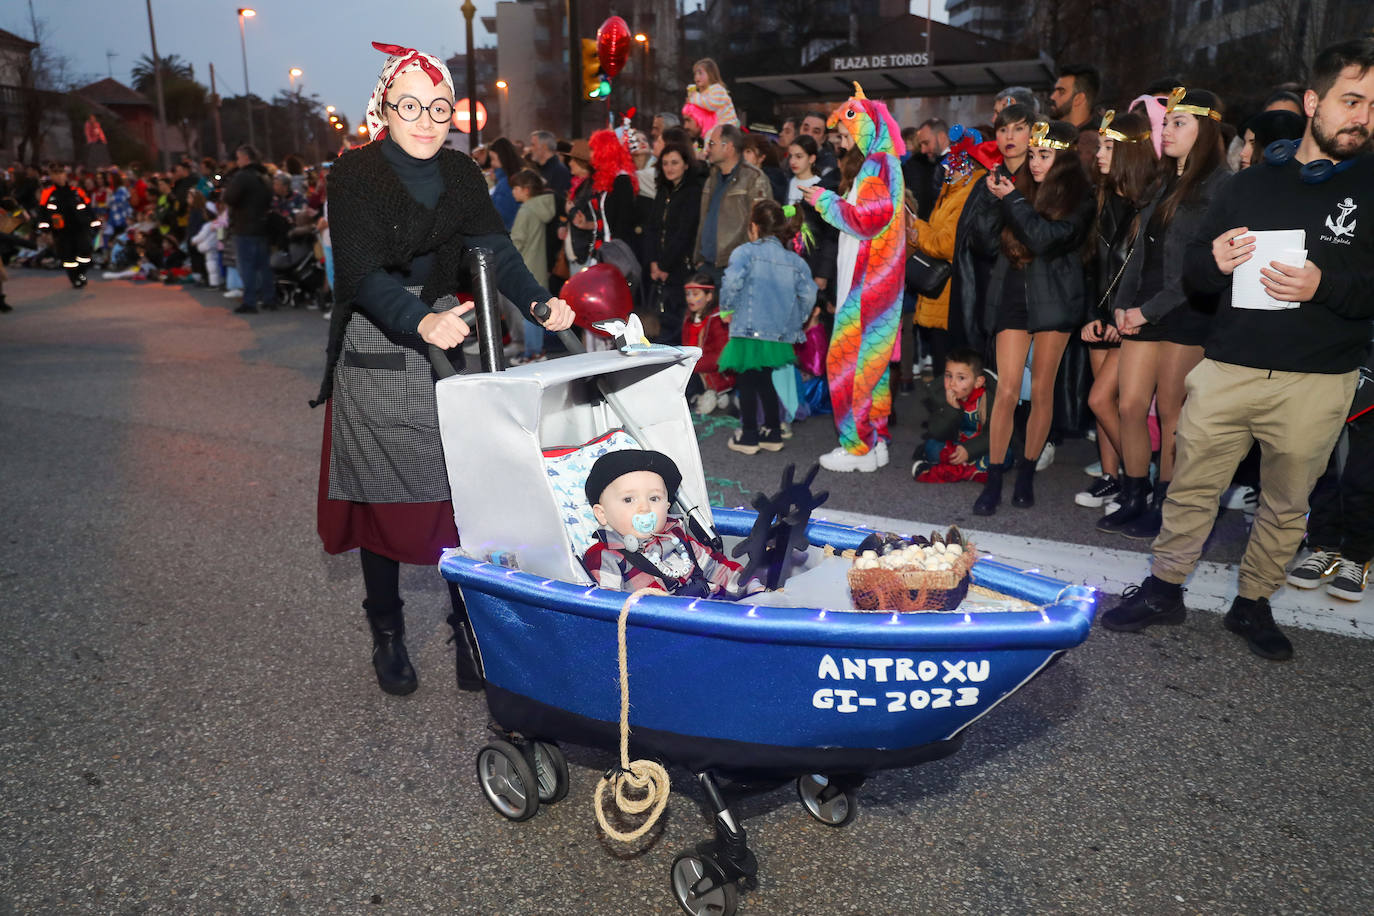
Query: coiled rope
column 642, row 785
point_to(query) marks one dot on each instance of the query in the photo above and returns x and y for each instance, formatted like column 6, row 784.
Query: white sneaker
column 881, row 452
column 843, row 461
column 234, row 294
column 706, row 401
column 1046, row 457
column 785, row 430
column 1239, row 497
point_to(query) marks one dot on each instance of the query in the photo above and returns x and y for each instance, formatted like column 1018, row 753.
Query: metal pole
column 474, row 131
column 247, row 93
column 219, row 129
column 574, row 70
column 157, row 84
column 928, row 31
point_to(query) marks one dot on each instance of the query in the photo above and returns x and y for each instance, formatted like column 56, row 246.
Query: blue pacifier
column 645, row 522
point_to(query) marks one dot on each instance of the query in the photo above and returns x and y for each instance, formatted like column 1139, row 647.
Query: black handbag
column 926, row 275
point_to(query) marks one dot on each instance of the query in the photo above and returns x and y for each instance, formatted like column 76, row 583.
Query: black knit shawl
column 375, row 225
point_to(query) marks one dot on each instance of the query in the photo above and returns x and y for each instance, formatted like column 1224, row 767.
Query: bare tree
column 43, row 76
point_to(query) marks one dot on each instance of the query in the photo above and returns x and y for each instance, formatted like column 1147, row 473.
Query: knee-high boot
column 468, row 660
column 395, row 675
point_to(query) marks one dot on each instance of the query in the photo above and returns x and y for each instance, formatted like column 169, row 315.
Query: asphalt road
column 189, row 723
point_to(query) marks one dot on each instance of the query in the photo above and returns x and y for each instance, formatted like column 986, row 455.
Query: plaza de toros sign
column 880, row 61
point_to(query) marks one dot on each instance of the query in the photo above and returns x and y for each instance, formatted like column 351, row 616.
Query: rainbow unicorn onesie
column 872, row 249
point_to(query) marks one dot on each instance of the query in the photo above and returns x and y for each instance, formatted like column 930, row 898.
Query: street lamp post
column 295, row 108
column 476, row 132
column 157, row 84
column 246, row 13
column 501, row 113
column 644, row 75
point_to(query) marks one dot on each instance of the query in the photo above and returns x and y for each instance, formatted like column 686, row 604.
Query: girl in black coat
column 669, row 236
column 1163, row 328
column 1036, row 293
column 1126, row 167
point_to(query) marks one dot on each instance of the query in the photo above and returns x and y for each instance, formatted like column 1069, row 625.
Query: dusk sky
column 329, row 41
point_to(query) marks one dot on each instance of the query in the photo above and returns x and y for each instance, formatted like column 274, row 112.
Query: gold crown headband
column 1105, row 130
column 1040, row 136
column 1175, row 104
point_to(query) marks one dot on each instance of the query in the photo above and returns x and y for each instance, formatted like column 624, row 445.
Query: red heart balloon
column 597, row 294
column 613, row 45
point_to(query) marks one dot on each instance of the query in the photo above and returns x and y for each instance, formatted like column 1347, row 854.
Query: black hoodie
column 1327, row 334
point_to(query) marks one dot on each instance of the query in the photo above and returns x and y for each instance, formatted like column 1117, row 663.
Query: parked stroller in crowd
column 300, row 277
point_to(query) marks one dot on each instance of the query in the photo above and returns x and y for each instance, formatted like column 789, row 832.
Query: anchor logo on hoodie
column 1340, row 228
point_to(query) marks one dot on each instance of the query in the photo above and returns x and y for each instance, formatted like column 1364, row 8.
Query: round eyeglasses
column 408, row 109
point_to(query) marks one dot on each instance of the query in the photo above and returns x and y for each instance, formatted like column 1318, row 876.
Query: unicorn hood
column 870, row 124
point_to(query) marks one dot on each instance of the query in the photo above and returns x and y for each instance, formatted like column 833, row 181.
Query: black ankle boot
column 468, row 660
column 1145, row 526
column 1253, row 619
column 987, row 501
column 1023, row 491
column 1134, row 500
column 395, row 675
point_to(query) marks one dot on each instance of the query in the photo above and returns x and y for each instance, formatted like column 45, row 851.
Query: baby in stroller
column 639, row 544
column 298, row 272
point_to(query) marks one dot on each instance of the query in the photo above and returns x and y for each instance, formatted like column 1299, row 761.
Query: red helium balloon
column 596, row 294
column 613, row 45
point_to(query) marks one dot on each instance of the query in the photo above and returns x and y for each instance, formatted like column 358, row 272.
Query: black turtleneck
column 382, row 293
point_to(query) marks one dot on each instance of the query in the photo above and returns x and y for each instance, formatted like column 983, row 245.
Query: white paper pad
column 1287, row 246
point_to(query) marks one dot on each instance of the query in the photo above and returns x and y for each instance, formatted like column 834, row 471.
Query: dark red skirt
column 409, row 532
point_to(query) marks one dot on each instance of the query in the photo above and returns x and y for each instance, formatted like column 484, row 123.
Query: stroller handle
column 541, row 312
column 482, row 318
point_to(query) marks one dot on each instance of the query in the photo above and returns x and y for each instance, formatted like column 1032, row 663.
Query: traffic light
column 595, row 85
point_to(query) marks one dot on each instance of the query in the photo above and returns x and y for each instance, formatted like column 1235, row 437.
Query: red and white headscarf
column 401, row 60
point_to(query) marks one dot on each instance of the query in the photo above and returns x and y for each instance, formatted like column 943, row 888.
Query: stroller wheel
column 701, row 889
column 507, row 781
column 827, row 802
column 550, row 771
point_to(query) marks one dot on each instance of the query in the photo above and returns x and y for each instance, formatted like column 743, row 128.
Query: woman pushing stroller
column 402, row 210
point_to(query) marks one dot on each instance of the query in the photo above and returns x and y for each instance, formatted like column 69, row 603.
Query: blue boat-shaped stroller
column 793, row 684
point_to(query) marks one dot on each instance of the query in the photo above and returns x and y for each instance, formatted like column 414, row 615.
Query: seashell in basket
column 914, row 578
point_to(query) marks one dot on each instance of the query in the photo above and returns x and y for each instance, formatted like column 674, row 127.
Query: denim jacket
column 769, row 291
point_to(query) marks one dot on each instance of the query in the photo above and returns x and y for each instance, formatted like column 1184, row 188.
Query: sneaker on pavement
column 917, row 466
column 234, row 294
column 1046, row 457
column 1146, row 604
column 1094, row 469
column 770, row 440
column 841, row 460
column 746, row 442
column 1238, row 497
column 1351, row 579
column 880, row 450
column 706, row 401
column 1111, row 506
column 785, row 430
column 1315, row 568
column 1253, row 619
column 1103, row 490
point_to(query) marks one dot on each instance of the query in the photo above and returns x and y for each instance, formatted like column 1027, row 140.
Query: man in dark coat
column 249, row 198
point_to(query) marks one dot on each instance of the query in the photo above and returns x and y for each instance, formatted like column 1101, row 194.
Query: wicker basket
column 913, row 589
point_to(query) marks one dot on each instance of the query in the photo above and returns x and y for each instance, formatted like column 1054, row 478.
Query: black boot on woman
column 468, row 660
column 987, row 501
column 1023, row 492
column 1145, row 526
column 389, row 657
column 1133, row 501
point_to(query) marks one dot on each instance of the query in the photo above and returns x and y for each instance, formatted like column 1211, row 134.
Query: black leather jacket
column 1056, row 294
column 671, row 230
column 1115, row 238
column 1187, row 221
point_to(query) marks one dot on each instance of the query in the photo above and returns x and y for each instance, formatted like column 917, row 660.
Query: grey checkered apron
column 385, row 444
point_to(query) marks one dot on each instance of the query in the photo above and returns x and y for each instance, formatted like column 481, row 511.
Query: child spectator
column 709, row 388
column 640, row 545
column 766, row 297
column 956, row 445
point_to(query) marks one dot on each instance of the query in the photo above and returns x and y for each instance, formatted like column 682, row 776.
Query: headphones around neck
column 1315, row 172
